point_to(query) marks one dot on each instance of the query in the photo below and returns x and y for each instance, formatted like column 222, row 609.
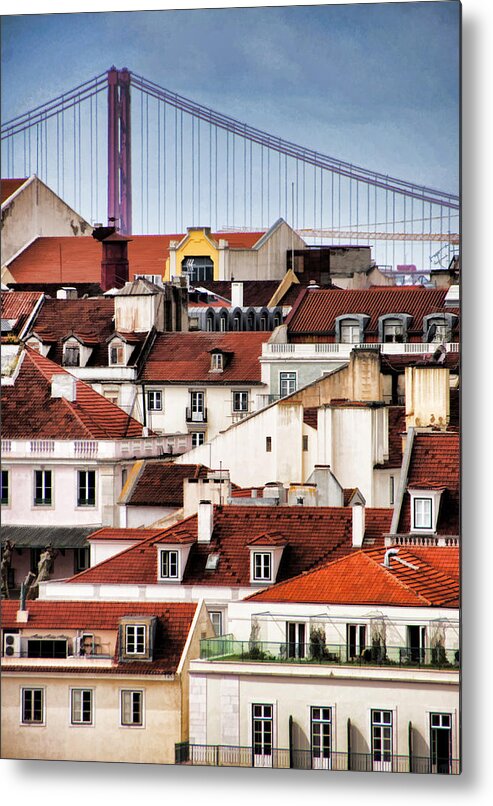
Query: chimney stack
column 358, row 532
column 64, row 385
column 205, row 522
column 236, row 295
column 114, row 261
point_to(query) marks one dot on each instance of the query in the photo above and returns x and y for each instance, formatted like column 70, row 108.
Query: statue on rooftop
column 5, row 567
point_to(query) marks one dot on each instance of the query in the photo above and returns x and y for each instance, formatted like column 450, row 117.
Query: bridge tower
column 119, row 147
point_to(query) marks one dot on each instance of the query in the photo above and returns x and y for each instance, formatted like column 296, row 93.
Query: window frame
column 266, row 561
column 348, row 328
column 285, row 380
column 196, row 443
column 43, row 502
column 325, row 754
column 135, row 627
column 70, row 348
column 132, row 692
column 240, row 409
column 217, row 359
column 23, row 719
column 118, row 346
column 428, row 526
column 157, row 396
column 81, row 721
column 219, row 613
column 166, row 553
column 85, row 501
column 5, row 499
column 385, row 762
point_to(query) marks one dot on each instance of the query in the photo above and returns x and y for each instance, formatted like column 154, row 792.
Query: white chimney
column 205, row 521
column 66, row 292
column 358, row 525
column 64, row 385
column 237, row 295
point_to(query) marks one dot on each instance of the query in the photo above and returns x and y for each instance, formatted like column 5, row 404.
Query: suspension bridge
column 122, row 148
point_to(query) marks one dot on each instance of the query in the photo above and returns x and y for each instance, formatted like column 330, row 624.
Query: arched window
column 351, row 329
column 199, row 269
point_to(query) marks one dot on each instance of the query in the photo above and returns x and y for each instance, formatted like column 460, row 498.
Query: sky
column 373, row 84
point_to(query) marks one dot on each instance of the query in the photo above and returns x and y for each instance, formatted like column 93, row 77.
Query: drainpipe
column 144, row 408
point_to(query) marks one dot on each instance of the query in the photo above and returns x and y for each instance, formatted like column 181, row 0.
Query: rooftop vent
column 212, row 562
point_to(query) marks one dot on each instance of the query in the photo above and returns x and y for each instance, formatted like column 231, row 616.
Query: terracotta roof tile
column 17, row 306
column 174, row 623
column 161, row 484
column 29, row 411
column 317, row 310
column 9, row 186
column 185, row 358
column 361, row 578
column 313, row 534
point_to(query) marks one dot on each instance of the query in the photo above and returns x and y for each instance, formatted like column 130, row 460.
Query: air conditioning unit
column 11, row 645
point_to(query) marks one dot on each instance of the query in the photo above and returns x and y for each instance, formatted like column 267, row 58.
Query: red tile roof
column 313, row 534
column 174, row 623
column 29, row 411
column 110, row 533
column 18, row 306
column 161, row 484
column 361, row 578
column 185, row 358
column 310, row 417
column 9, row 186
column 317, row 310
column 256, row 293
column 69, row 259
column 435, row 460
column 398, row 363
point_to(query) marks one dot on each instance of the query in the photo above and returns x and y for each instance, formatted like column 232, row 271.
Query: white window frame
column 217, row 359
column 32, row 722
column 135, row 628
column 85, row 485
column 266, row 561
column 71, row 346
column 393, row 328
column 263, row 759
column 163, row 553
column 238, row 396
column 383, row 764
column 132, row 693
column 44, row 486
column 422, row 519
column 434, row 495
column 219, row 614
column 119, row 346
column 348, row 328
column 321, row 761
column 156, row 395
column 288, row 381
column 196, row 443
column 361, row 630
column 77, row 710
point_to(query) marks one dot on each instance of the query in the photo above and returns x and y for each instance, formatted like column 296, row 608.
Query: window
column 287, row 383
column 223, row 326
column 4, row 487
column 356, row 640
column 393, row 331
column 81, row 559
column 86, row 488
column 268, row 444
column 132, row 708
column 47, row 648
column 71, row 355
column 199, row 269
column 197, row 408
column 240, row 401
column 422, row 513
column 42, row 488
column 441, row 743
column 155, row 401
column 295, row 639
column 169, row 564
column 198, row 438
column 262, row 730
column 217, row 359
column 81, row 706
column 439, row 332
column 321, row 737
column 416, row 643
column 381, row 740
column 116, row 353
column 350, row 333
column 262, row 565
column 216, row 618
column 32, row 706
column 391, row 489
column 135, row 639
column 305, row 442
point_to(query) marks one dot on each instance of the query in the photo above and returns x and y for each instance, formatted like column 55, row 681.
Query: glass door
column 262, row 735
column 381, row 740
column 441, row 743
column 321, row 719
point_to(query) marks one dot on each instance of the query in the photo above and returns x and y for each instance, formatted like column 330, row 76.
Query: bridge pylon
column 119, row 150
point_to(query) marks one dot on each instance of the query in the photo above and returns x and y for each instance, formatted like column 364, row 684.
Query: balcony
column 290, row 758
column 196, row 416
column 325, row 350
column 226, row 648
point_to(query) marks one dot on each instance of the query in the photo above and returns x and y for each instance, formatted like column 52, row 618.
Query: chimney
column 205, row 522
column 358, row 531
column 64, row 385
column 427, row 396
column 237, row 295
column 114, row 262
column 66, row 292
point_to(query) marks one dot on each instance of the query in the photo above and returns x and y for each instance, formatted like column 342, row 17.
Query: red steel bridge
column 122, row 148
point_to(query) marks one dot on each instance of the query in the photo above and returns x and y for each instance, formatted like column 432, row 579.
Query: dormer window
column 392, row 328
column 169, row 564
column 137, row 637
column 116, row 353
column 71, row 355
column 172, row 561
column 265, row 558
column 437, row 328
column 262, row 566
column 351, row 329
column 424, row 509
column 217, row 362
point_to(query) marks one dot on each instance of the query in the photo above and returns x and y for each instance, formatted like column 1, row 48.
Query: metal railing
column 344, row 349
column 196, row 416
column 284, row 758
column 227, row 648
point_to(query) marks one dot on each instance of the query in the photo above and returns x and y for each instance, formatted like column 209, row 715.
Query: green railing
column 283, row 758
column 227, row 648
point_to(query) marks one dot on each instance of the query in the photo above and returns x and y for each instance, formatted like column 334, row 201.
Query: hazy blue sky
column 374, row 84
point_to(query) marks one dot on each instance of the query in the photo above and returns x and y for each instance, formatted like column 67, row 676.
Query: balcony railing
column 196, row 416
column 285, row 758
column 226, row 648
column 343, row 350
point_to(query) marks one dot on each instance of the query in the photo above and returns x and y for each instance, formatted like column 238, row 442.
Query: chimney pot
column 205, row 522
column 358, row 525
